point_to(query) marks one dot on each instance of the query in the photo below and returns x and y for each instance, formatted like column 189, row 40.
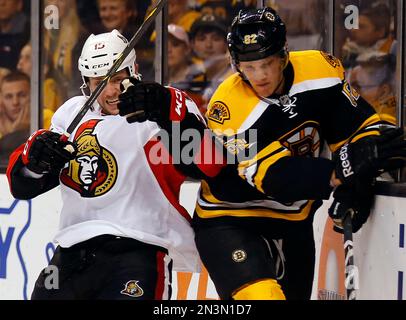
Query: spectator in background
column 24, row 61
column 183, row 73
column 119, row 15
column 14, row 32
column 15, row 115
column 219, row 8
column 123, row 16
column 208, row 37
column 373, row 34
column 52, row 97
column 243, row 4
column 374, row 78
column 306, row 21
column 60, row 43
column 181, row 14
column 15, row 95
column 3, row 73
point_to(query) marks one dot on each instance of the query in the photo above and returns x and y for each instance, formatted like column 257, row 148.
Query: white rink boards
column 27, row 229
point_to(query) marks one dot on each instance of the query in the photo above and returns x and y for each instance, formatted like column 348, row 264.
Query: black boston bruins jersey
column 319, row 108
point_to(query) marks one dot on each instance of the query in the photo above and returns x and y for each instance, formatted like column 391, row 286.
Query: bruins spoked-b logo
column 132, row 289
column 331, row 59
column 94, row 170
column 239, row 255
column 219, row 112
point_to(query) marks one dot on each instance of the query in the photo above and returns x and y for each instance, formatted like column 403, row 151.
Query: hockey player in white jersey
column 121, row 226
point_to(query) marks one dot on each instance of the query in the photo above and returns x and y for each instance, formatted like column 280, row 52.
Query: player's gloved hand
column 370, row 156
column 141, row 101
column 356, row 201
column 44, row 152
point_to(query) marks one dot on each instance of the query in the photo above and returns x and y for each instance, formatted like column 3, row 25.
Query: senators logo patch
column 331, row 59
column 132, row 289
column 94, row 170
column 219, row 112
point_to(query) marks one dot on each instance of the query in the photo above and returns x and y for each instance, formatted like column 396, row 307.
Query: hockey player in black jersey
column 253, row 220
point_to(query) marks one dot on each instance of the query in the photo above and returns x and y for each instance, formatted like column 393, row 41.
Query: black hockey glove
column 370, row 156
column 141, row 101
column 44, row 152
column 355, row 200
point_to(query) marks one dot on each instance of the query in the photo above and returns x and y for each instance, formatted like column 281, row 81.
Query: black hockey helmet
column 256, row 34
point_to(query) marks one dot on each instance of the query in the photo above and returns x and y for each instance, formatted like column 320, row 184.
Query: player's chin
column 265, row 90
column 110, row 109
column 114, row 112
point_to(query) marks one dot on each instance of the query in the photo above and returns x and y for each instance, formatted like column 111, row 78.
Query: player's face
column 265, row 75
column 108, row 98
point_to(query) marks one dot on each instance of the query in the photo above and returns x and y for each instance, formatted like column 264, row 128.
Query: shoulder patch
column 351, row 94
column 219, row 112
column 333, row 61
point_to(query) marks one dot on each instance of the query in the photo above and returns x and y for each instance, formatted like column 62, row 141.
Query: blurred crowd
column 198, row 58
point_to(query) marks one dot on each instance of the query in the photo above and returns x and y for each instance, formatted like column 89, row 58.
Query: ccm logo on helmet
column 97, row 66
column 345, row 163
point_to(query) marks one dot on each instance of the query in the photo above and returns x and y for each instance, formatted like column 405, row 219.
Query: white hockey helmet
column 99, row 53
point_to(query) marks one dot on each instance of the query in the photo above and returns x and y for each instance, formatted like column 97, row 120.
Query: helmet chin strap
column 280, row 84
column 83, row 87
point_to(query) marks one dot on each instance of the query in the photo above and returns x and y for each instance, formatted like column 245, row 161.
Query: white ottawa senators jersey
column 116, row 186
column 318, row 106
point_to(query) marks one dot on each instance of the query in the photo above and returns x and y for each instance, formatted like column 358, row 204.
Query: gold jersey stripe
column 266, row 152
column 247, row 212
column 302, row 124
column 365, row 134
column 371, row 120
column 264, row 166
column 207, row 195
column 388, row 117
